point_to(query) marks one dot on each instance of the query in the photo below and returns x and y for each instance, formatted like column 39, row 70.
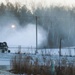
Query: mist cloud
column 53, row 23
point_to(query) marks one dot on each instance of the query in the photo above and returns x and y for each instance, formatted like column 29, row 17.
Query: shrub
column 27, row 65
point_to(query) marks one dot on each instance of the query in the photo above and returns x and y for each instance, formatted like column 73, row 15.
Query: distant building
column 3, row 47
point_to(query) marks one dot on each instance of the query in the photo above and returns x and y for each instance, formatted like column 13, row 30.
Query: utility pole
column 36, row 36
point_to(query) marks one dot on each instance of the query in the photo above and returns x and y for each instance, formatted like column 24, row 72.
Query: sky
column 69, row 3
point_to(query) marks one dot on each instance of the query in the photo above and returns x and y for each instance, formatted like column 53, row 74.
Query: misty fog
column 54, row 23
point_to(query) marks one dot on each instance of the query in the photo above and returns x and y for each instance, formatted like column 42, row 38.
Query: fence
column 70, row 51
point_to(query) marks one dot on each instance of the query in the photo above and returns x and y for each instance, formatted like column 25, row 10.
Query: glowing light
column 13, row 26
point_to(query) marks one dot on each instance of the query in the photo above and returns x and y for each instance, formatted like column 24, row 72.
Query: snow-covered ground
column 3, row 72
column 5, row 58
column 53, row 51
column 49, row 54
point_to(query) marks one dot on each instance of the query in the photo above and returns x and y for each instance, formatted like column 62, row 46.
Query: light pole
column 36, row 36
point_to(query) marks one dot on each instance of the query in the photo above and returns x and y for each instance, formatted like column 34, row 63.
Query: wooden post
column 60, row 47
column 60, row 55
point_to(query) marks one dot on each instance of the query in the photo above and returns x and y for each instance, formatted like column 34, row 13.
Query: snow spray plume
column 57, row 23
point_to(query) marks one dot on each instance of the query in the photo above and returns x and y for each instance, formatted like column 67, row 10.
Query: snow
column 49, row 54
column 53, row 51
column 3, row 72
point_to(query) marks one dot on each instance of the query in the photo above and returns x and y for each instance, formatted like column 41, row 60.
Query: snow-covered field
column 49, row 54
column 53, row 51
column 6, row 57
column 5, row 73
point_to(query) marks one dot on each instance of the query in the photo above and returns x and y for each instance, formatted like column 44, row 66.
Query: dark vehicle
column 3, row 47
